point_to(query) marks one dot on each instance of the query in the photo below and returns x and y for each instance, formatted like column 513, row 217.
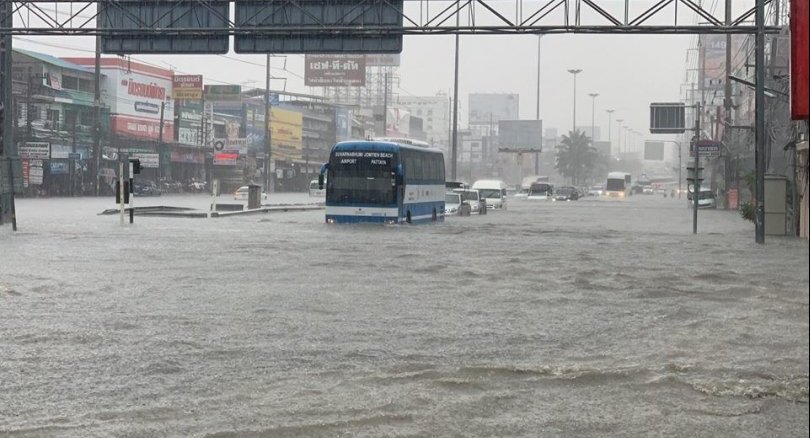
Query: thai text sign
column 335, row 70
column 187, row 87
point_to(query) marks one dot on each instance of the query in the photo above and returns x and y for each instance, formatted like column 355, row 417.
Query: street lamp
column 575, row 72
column 619, row 136
column 593, row 114
column 610, row 116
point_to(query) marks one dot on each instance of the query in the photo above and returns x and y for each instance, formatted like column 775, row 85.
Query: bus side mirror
column 320, row 181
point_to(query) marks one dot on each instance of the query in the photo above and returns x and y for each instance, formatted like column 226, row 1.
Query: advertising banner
column 492, row 108
column 714, row 59
column 286, row 134
column 35, row 172
column 799, row 62
column 229, row 158
column 335, row 70
column 520, row 134
column 343, row 124
column 382, row 60
column 191, row 157
column 148, row 160
column 654, row 151
column 58, row 168
column 35, row 150
column 187, row 87
column 223, row 93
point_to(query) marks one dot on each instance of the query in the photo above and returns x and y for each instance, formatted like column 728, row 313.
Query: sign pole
column 696, row 183
column 121, row 189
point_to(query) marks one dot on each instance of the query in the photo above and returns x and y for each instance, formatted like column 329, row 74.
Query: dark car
column 145, row 188
column 566, row 193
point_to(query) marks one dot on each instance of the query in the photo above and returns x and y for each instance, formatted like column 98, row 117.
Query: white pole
column 121, row 190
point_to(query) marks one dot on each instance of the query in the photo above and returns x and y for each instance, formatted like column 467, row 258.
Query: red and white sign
column 142, row 128
column 136, row 94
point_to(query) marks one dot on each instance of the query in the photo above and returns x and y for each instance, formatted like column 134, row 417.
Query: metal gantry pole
column 454, row 146
column 760, row 122
column 696, row 183
column 97, row 116
column 8, row 149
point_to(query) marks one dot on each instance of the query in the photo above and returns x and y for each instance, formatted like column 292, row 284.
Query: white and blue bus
column 383, row 182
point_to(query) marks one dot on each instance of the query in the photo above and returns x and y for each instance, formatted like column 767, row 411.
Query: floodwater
column 581, row 319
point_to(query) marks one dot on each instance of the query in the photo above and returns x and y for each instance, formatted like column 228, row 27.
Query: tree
column 576, row 158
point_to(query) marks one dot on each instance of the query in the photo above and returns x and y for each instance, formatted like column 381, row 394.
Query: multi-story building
column 435, row 114
column 55, row 118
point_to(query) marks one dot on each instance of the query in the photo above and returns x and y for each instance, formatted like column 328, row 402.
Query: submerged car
column 540, row 191
column 241, row 194
column 145, row 188
column 706, row 199
column 566, row 193
column 455, row 205
column 477, row 203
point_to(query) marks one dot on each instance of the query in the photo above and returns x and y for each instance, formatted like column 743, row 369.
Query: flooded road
column 584, row 318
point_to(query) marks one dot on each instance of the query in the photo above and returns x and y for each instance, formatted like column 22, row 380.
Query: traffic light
column 691, row 174
column 136, row 166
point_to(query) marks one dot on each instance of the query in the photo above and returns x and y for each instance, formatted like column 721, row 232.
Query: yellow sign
column 286, row 134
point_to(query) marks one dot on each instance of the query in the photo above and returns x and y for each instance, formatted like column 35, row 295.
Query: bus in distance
column 383, row 182
column 618, row 185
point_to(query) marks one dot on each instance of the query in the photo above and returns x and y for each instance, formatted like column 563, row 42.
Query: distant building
column 435, row 114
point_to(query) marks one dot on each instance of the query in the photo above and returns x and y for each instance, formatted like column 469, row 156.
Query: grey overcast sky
column 628, row 71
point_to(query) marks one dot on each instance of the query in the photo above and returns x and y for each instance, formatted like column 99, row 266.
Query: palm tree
column 576, row 158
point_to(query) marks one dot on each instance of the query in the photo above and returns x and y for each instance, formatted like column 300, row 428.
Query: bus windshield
column 360, row 178
column 615, row 185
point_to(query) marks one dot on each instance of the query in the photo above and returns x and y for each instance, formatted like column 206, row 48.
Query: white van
column 315, row 191
column 493, row 191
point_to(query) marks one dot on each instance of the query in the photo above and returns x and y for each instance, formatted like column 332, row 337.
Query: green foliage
column 748, row 211
column 576, row 158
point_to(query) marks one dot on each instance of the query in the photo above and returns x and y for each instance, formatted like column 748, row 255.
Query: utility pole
column 8, row 148
column 760, row 122
column 727, row 104
column 610, row 136
column 454, row 146
column 593, row 115
column 160, row 141
column 97, row 114
column 619, row 136
column 385, row 104
column 268, row 140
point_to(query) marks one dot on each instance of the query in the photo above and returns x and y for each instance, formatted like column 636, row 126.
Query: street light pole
column 575, row 72
column 537, row 115
column 610, row 116
column 619, row 136
column 593, row 115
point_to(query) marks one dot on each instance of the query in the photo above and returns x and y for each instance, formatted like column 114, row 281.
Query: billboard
column 486, row 108
column 187, row 87
column 35, row 150
column 654, row 151
column 398, row 122
column 382, row 60
column 343, row 124
column 335, row 70
column 713, row 71
column 189, row 120
column 286, row 134
column 223, row 93
column 799, row 68
column 136, row 95
column 526, row 134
